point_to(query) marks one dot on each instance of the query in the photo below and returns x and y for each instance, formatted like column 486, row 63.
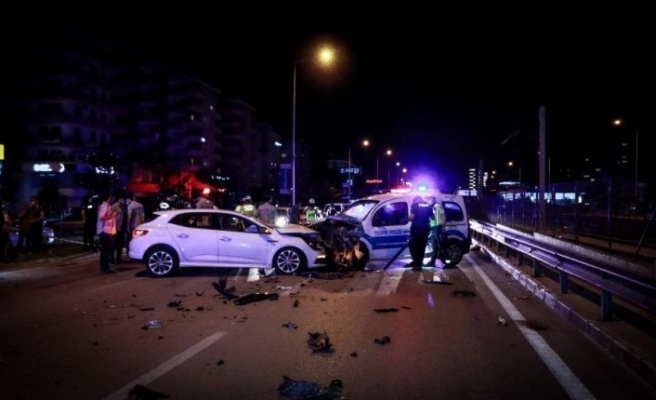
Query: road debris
column 383, row 340
column 290, row 325
column 463, row 293
column 154, row 324
column 320, row 342
column 502, row 321
column 386, row 310
column 310, row 390
column 140, row 392
column 437, row 282
column 254, row 297
column 220, row 286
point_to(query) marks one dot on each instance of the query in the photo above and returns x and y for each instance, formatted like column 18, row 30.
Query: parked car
column 222, row 238
column 334, row 208
column 282, row 215
column 48, row 238
column 67, row 224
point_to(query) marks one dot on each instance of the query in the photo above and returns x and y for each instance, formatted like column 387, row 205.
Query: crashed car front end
column 341, row 236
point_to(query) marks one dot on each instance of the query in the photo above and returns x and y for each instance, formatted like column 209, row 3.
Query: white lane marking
column 567, row 379
column 167, row 366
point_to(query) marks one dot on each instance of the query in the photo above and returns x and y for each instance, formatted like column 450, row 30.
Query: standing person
column 4, row 232
column 266, row 212
column 437, row 221
column 30, row 227
column 136, row 217
column 90, row 218
column 420, row 214
column 120, row 217
column 106, row 229
column 312, row 212
column 204, row 202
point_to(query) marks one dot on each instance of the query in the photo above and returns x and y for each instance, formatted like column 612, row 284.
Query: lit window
column 192, row 117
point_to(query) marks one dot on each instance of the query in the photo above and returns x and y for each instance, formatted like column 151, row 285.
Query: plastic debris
column 320, row 342
column 290, row 325
column 383, row 340
column 309, row 390
column 463, row 293
column 502, row 321
column 437, row 282
column 284, row 288
column 154, row 324
column 220, row 286
column 386, row 310
column 253, row 297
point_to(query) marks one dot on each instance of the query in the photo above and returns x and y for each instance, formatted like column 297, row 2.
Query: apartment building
column 80, row 114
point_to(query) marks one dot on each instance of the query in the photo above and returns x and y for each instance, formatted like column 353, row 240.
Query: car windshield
column 360, row 209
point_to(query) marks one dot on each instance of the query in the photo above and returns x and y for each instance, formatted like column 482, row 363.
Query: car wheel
column 289, row 260
column 361, row 256
column 453, row 253
column 162, row 261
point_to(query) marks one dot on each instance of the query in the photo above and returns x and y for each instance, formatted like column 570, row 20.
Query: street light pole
column 349, row 174
column 294, row 140
column 376, row 173
column 635, row 183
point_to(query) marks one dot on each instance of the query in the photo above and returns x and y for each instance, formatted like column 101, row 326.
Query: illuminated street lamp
column 325, row 57
column 619, row 122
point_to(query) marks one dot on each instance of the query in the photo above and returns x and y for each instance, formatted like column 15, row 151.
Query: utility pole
column 543, row 157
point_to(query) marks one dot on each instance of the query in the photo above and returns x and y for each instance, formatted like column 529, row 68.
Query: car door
column 196, row 237
column 389, row 228
column 240, row 243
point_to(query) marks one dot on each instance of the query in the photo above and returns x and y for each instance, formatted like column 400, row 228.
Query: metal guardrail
column 611, row 282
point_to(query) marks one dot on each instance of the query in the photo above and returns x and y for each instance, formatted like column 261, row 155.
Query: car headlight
column 313, row 240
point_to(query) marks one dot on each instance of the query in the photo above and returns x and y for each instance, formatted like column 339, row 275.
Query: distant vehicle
column 282, row 215
column 48, row 238
column 67, row 224
column 334, row 208
column 222, row 238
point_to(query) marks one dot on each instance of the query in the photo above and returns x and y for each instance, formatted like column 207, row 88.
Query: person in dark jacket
column 420, row 214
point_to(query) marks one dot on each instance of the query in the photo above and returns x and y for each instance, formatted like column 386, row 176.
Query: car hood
column 291, row 229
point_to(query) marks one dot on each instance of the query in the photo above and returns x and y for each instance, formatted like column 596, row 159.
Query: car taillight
column 139, row 232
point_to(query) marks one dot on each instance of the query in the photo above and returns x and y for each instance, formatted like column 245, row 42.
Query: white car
column 222, row 238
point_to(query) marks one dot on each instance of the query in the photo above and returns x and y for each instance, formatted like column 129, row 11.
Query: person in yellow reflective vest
column 246, row 206
column 437, row 221
column 312, row 212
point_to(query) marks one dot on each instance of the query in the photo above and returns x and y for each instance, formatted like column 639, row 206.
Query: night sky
column 442, row 88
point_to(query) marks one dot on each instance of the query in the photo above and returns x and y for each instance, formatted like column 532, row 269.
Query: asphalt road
column 470, row 332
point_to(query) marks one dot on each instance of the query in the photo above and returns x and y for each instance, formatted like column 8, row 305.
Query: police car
column 381, row 225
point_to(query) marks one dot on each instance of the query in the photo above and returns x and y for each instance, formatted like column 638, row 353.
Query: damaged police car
column 377, row 228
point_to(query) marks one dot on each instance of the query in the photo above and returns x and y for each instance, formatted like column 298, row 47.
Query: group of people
column 428, row 219
column 116, row 220
column 30, row 228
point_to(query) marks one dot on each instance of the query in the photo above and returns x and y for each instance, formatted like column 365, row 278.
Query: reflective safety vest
column 311, row 214
column 438, row 213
